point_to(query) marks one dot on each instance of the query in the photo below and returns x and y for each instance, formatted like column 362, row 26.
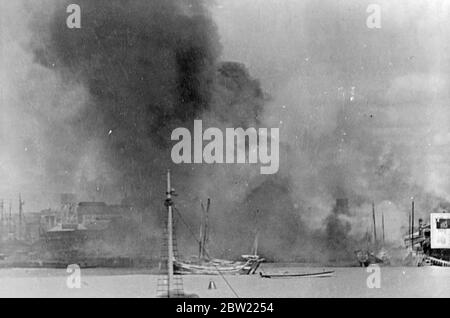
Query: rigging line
column 206, row 252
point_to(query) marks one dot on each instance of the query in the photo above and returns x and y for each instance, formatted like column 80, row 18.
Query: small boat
column 204, row 265
column 373, row 254
column 215, row 267
column 293, row 275
column 367, row 257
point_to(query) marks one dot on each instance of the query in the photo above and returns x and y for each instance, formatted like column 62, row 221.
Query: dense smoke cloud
column 98, row 104
column 147, row 68
column 362, row 113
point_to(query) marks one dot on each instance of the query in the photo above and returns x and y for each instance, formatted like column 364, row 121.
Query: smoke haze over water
column 363, row 113
column 91, row 111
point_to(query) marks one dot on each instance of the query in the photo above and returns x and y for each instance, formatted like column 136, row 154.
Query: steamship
column 77, row 233
column 430, row 244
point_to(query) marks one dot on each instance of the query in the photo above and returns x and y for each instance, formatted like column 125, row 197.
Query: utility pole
column 382, row 225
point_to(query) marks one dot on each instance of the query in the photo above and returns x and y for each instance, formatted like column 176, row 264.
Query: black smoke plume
column 139, row 69
column 147, row 66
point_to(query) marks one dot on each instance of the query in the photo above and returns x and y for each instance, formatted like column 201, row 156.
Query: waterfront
column 346, row 282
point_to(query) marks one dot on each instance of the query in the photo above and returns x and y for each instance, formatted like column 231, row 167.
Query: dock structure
column 438, row 262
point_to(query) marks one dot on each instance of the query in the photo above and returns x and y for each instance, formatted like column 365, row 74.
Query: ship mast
column 2, row 207
column 172, row 285
column 21, row 204
column 409, row 227
column 2, row 221
column 200, row 237
column 10, row 229
column 204, row 229
column 255, row 244
column 374, row 223
column 412, row 224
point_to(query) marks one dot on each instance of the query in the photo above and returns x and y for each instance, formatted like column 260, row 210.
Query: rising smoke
column 90, row 111
column 97, row 105
column 361, row 111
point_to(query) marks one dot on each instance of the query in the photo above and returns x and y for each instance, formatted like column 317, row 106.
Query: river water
column 345, row 282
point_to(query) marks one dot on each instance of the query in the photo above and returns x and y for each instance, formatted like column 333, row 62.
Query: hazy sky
column 315, row 57
column 400, row 71
column 362, row 112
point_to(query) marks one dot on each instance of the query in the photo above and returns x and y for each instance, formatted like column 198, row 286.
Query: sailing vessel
column 204, row 264
column 429, row 245
column 374, row 254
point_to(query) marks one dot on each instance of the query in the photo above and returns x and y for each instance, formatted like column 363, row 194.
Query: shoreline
column 153, row 268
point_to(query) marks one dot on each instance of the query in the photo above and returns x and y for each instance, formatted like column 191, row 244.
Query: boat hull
column 217, row 267
column 292, row 275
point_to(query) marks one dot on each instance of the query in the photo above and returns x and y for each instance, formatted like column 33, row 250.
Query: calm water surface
column 346, row 282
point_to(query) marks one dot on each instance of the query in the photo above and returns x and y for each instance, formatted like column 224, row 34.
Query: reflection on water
column 346, row 282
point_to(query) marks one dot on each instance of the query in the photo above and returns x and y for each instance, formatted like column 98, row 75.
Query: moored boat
column 216, row 266
column 204, row 264
column 375, row 253
column 293, row 275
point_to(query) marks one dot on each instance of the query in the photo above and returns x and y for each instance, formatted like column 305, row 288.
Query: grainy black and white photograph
column 225, row 149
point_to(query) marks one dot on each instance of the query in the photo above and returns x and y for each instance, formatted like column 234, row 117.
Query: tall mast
column 21, row 203
column 2, row 221
column 170, row 286
column 255, row 244
column 374, row 223
column 412, row 223
column 170, row 279
column 409, row 226
column 206, row 228
column 200, row 239
column 10, row 218
column 20, row 208
column 382, row 225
